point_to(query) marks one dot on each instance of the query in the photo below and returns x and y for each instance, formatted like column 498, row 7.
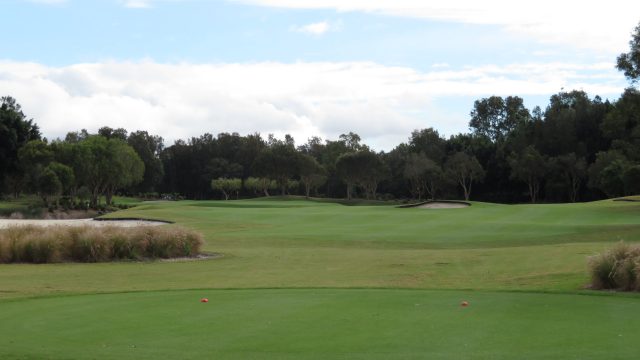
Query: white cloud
column 588, row 24
column 137, row 4
column 318, row 28
column 381, row 103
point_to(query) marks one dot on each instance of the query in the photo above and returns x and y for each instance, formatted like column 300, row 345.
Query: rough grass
column 33, row 244
column 617, row 268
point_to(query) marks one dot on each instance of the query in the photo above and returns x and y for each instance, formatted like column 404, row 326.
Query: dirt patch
column 5, row 223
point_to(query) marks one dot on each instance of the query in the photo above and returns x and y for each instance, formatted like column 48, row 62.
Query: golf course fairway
column 298, row 279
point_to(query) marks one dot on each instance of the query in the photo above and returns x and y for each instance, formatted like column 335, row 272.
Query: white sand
column 442, row 205
column 5, row 223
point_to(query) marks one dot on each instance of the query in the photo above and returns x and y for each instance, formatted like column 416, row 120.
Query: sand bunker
column 442, row 205
column 5, row 223
column 449, row 204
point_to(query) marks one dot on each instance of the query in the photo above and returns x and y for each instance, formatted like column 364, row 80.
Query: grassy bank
column 523, row 268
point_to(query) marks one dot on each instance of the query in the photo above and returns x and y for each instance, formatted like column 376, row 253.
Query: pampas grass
column 32, row 244
column 618, row 268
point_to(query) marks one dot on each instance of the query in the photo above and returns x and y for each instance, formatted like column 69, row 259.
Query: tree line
column 578, row 148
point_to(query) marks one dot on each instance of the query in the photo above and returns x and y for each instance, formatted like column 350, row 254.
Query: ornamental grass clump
column 617, row 268
column 32, row 244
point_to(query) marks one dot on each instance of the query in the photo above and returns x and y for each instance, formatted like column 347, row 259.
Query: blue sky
column 378, row 68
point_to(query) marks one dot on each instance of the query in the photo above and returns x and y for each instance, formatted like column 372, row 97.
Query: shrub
column 95, row 244
column 617, row 268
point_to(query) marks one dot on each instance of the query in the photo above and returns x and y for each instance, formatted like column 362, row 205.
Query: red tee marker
column 204, row 300
column 464, row 304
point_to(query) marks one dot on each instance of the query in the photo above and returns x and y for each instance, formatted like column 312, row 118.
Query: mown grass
column 321, row 324
column 524, row 269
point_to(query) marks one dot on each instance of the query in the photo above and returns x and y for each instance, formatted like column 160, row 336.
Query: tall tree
column 424, row 175
column 148, row 147
column 123, row 168
column 465, row 170
column 430, row 143
column 364, row 168
column 607, row 173
column 15, row 131
column 495, row 117
column 348, row 169
column 312, row 174
column 374, row 170
column 530, row 167
column 278, row 162
column 105, row 166
column 227, row 186
column 629, row 63
column 110, row 133
column 573, row 170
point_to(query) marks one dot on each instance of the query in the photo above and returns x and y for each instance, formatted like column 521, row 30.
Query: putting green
column 320, row 324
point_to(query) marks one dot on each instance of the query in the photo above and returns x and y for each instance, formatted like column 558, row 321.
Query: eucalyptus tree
column 629, row 63
column 227, row 186
column 312, row 174
column 573, row 170
column 529, row 167
column 424, row 175
column 465, row 170
column 495, row 117
column 363, row 168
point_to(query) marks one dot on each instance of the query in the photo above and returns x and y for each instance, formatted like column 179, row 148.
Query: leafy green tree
column 529, row 167
column 430, row 143
column 629, row 63
column 148, row 147
column 260, row 185
column 612, row 180
column 278, row 162
column 109, row 133
column 364, row 168
column 227, row 186
column 15, row 131
column 573, row 170
column 222, row 168
column 607, row 173
column 312, row 174
column 424, row 175
column 348, row 169
column 34, row 156
column 622, row 125
column 351, row 141
column 465, row 170
column 48, row 185
column 495, row 117
column 375, row 170
column 104, row 166
column 124, row 168
column 65, row 175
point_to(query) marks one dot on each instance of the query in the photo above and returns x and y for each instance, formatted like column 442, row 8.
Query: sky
column 381, row 69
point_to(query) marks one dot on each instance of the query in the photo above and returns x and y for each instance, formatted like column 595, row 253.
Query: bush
column 617, row 268
column 31, row 244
